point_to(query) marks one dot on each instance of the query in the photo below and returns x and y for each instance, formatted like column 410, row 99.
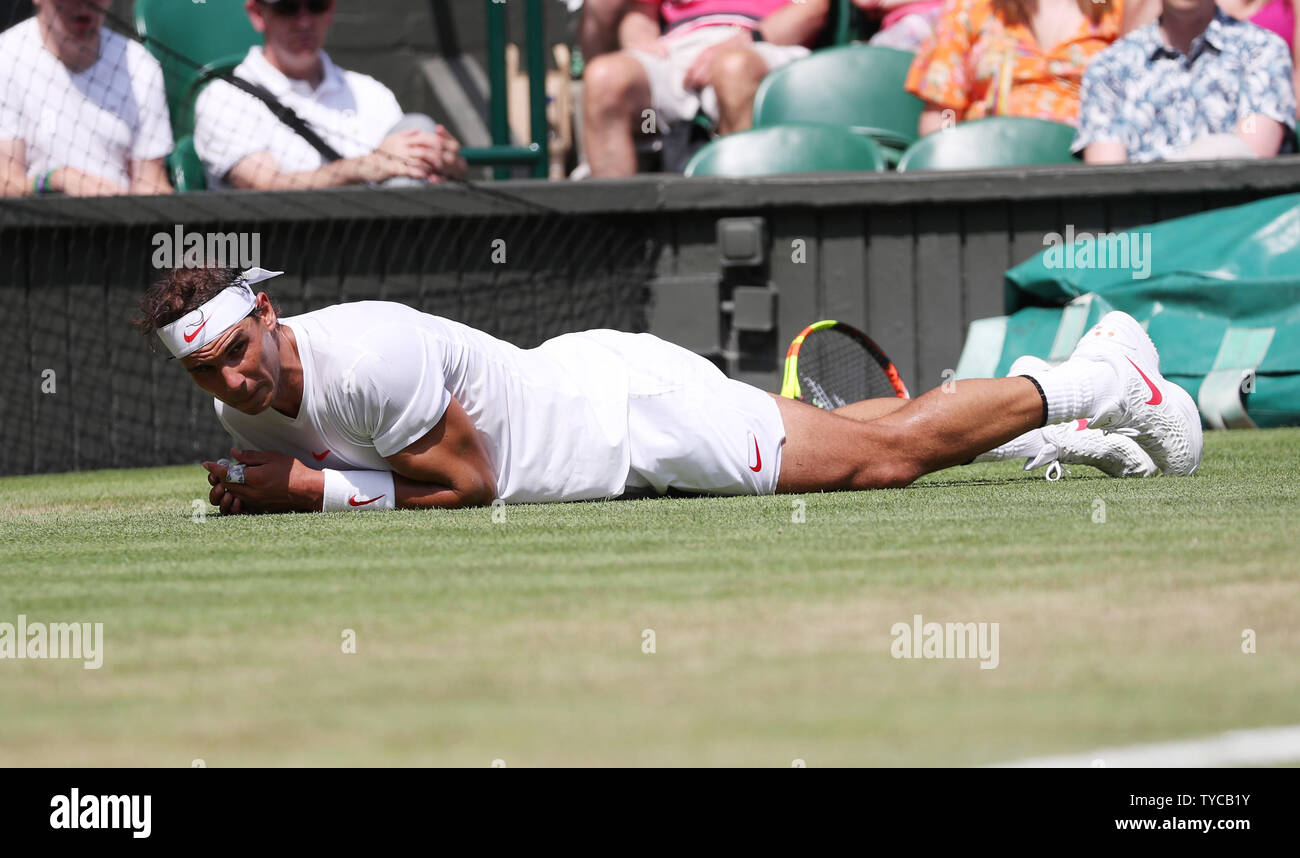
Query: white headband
column 197, row 328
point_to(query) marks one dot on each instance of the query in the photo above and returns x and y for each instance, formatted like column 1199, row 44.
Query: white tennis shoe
column 1161, row 416
column 1073, row 443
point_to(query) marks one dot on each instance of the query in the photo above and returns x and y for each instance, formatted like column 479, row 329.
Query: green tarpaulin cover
column 1218, row 291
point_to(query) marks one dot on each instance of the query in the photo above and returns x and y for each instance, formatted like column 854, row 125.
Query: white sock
column 1024, row 447
column 1076, row 389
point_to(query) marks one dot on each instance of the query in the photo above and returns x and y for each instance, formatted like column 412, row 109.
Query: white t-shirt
column 97, row 120
column 351, row 111
column 377, row 376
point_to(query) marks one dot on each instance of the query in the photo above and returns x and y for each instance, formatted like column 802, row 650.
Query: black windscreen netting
column 109, row 177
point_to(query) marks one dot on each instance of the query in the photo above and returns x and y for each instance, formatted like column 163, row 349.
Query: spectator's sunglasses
column 293, row 7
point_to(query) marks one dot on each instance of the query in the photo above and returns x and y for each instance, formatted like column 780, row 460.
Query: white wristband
column 358, row 490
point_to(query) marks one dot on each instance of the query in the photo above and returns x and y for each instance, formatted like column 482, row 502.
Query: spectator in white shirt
column 82, row 109
column 243, row 145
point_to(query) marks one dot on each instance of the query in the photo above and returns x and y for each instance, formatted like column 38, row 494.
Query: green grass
column 521, row 640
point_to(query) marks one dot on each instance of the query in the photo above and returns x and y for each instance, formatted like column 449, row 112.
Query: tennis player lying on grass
column 375, row 405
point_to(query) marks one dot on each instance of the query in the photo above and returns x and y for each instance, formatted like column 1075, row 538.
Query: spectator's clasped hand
column 416, row 155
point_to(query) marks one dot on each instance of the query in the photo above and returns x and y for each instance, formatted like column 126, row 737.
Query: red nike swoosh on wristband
column 319, row 456
column 758, row 457
column 189, row 338
column 352, row 501
column 1156, row 398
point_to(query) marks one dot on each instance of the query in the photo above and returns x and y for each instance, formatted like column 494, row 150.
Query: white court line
column 1261, row 747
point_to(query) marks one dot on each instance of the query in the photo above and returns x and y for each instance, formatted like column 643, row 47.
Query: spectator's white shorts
column 671, row 101
column 693, row 429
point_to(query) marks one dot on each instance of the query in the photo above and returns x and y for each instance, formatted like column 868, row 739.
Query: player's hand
column 700, row 74
column 273, row 482
column 219, row 497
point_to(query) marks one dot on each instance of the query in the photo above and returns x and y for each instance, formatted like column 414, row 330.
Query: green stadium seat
column 794, row 148
column 185, row 168
column 996, row 141
column 188, row 37
column 855, row 85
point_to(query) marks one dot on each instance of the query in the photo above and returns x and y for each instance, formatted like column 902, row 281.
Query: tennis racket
column 831, row 364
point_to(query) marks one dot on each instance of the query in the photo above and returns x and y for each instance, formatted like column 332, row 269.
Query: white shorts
column 671, row 101
column 692, row 429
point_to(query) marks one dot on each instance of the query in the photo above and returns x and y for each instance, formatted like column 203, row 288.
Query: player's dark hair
column 180, row 291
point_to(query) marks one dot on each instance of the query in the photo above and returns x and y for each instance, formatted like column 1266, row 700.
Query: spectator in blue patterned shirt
column 1195, row 84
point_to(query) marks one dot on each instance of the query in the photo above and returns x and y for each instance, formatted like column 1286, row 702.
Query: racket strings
column 835, row 369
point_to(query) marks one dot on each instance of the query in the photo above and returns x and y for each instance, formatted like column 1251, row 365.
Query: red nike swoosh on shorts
column 319, row 456
column 1156, row 398
column 189, row 338
column 758, row 457
column 352, row 501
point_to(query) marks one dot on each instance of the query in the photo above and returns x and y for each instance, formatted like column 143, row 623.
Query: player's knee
column 891, row 475
column 889, row 466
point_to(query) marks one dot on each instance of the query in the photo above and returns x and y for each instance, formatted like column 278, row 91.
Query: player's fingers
column 215, row 495
column 236, row 490
column 227, row 504
column 237, row 508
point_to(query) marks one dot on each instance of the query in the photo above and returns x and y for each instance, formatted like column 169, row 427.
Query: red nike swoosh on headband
column 352, row 501
column 319, row 456
column 1156, row 398
column 758, row 457
column 189, row 338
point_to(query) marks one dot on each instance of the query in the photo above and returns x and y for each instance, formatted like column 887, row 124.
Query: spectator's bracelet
column 41, row 185
column 358, row 490
column 756, row 34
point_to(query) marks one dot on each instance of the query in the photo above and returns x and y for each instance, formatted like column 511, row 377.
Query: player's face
column 241, row 367
column 78, row 20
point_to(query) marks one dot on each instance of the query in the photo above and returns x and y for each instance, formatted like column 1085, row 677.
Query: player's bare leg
column 826, row 451
column 870, row 409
